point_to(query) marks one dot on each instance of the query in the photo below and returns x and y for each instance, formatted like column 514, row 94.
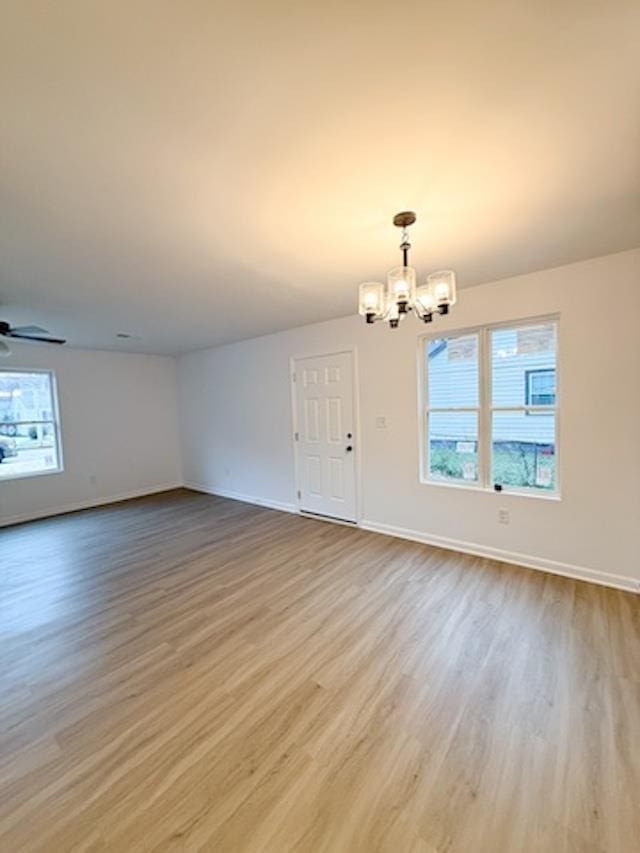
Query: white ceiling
column 198, row 172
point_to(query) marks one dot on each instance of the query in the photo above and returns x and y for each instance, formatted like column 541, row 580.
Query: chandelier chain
column 405, row 246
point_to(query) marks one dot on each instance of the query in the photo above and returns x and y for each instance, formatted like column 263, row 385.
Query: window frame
column 485, row 410
column 57, row 430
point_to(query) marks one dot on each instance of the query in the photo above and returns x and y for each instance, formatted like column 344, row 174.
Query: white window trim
column 56, row 425
column 485, row 409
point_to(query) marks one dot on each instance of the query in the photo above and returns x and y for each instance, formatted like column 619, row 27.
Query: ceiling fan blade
column 12, row 334
column 29, row 330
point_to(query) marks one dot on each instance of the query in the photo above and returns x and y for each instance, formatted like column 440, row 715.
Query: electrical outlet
column 503, row 516
column 92, row 479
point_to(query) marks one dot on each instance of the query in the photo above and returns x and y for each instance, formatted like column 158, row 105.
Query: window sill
column 518, row 493
column 27, row 475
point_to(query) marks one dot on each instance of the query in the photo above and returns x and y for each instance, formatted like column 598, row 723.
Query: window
column 29, row 429
column 540, row 387
column 481, row 387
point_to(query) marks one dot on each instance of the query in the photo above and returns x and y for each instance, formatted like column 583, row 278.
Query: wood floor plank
column 184, row 672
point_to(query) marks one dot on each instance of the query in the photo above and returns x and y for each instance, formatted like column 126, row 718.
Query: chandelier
column 402, row 295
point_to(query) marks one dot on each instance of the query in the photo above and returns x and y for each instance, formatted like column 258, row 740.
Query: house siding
column 454, row 381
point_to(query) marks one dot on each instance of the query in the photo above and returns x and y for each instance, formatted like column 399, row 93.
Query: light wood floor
column 186, row 672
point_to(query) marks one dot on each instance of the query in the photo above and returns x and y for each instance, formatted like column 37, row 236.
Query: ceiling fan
column 24, row 333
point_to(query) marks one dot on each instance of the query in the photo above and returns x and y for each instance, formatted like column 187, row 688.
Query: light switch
column 381, row 422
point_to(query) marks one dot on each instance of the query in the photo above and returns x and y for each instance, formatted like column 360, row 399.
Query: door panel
column 311, row 419
column 332, row 374
column 310, row 377
column 336, row 482
column 335, row 433
column 324, row 420
column 314, row 475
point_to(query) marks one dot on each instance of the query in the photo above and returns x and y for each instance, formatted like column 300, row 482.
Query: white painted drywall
column 119, row 426
column 236, row 423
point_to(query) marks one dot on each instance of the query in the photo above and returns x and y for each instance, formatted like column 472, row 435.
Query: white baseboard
column 237, row 496
column 526, row 560
column 87, row 504
column 539, row 563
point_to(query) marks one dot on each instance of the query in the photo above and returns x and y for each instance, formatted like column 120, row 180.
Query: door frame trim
column 353, row 352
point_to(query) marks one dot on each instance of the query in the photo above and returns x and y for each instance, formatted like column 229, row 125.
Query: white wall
column 119, row 426
column 236, row 423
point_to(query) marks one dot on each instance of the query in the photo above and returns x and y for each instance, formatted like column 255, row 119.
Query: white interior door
column 325, row 435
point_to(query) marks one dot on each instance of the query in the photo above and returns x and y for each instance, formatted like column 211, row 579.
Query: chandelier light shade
column 443, row 285
column 372, row 301
column 425, row 303
column 402, row 295
column 401, row 287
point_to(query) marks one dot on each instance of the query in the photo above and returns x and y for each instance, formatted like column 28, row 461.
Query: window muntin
column 510, row 375
column 29, row 428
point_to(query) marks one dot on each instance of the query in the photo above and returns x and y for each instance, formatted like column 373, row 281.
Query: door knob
column 348, row 448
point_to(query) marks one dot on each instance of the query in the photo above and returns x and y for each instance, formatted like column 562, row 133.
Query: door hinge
column 293, row 377
column 296, row 436
column 299, row 494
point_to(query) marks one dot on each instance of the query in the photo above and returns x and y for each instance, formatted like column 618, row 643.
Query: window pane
column 28, row 438
column 523, row 361
column 452, row 365
column 540, row 387
column 453, row 446
column 25, row 397
column 27, row 448
column 524, row 448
